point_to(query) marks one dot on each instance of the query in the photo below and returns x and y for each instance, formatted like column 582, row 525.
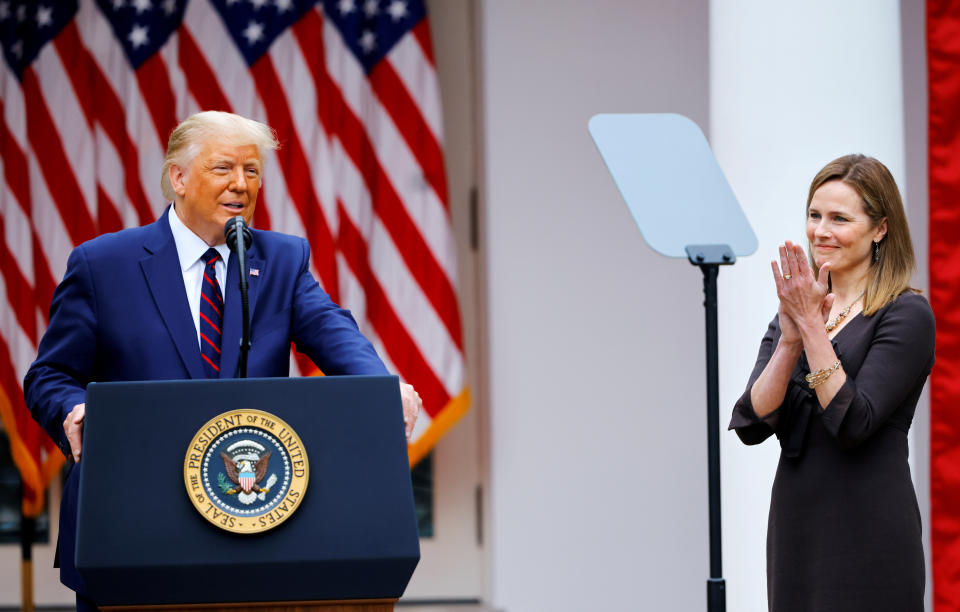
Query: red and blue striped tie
column 211, row 315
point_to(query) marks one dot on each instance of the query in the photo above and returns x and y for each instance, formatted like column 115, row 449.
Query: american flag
column 90, row 91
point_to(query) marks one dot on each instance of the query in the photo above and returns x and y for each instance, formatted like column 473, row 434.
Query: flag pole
column 27, row 525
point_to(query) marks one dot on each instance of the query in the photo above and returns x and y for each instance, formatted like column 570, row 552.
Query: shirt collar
column 190, row 247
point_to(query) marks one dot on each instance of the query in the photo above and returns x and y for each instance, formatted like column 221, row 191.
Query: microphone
column 235, row 224
column 234, row 228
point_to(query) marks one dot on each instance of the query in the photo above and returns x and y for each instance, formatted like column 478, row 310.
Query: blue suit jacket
column 121, row 314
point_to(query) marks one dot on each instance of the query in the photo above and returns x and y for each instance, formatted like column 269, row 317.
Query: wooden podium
column 349, row 543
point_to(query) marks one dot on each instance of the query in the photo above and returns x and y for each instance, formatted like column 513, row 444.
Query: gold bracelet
column 816, row 378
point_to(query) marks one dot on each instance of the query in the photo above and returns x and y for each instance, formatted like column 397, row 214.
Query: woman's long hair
column 890, row 273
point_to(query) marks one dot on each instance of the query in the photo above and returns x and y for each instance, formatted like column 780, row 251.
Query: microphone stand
column 239, row 243
column 245, row 303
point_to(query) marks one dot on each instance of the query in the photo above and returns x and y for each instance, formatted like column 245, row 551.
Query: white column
column 792, row 86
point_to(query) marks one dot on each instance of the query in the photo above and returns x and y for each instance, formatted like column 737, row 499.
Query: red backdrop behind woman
column 943, row 66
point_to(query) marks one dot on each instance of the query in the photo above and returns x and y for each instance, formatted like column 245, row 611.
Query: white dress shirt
column 190, row 248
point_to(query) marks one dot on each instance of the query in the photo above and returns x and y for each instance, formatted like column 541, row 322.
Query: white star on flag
column 397, row 9
column 368, row 41
column 257, row 4
column 17, row 48
column 284, row 5
column 253, row 33
column 346, row 7
column 44, row 16
column 169, row 7
column 138, row 36
column 117, row 5
column 4, row 10
column 142, row 5
column 370, row 8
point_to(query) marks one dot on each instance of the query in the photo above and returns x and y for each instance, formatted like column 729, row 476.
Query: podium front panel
column 141, row 541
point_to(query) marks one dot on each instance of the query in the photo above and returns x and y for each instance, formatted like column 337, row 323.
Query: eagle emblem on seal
column 246, row 464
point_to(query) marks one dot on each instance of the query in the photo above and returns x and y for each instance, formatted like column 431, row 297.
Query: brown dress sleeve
column 749, row 427
column 897, row 363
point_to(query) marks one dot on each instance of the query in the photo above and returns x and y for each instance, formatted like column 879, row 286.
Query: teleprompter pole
column 651, row 158
column 709, row 258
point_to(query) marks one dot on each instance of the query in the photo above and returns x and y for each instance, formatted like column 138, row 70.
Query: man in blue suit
column 161, row 302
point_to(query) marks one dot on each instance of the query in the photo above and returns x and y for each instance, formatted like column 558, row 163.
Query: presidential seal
column 246, row 471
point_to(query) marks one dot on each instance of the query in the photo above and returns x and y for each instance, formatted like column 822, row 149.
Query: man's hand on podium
column 73, row 426
column 411, row 407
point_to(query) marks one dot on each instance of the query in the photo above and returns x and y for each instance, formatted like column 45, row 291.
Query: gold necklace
column 843, row 313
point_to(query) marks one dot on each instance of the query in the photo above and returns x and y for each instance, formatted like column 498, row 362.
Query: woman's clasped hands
column 805, row 300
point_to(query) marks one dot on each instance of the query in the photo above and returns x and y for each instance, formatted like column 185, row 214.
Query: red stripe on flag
column 421, row 32
column 406, row 116
column 15, row 168
column 101, row 104
column 43, row 281
column 410, row 243
column 339, row 119
column 404, row 353
column 72, row 54
column 154, row 81
column 261, row 214
column 17, row 177
column 296, row 172
column 107, row 218
column 53, row 163
column 201, row 80
column 309, row 34
column 19, row 292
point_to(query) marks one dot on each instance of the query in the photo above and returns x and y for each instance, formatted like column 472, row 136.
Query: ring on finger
column 787, row 276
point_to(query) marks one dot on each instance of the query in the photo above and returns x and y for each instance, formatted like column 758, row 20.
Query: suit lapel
column 161, row 269
column 233, row 311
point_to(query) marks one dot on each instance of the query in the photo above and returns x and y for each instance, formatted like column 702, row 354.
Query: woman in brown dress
column 837, row 380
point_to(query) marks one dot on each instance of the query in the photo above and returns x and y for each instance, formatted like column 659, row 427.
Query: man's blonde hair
column 187, row 139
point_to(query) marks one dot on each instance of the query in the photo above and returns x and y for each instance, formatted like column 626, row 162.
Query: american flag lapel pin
column 254, row 271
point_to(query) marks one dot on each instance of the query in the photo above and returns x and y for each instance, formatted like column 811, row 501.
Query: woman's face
column 839, row 229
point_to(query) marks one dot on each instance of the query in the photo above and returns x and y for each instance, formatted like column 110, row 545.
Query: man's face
column 221, row 182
